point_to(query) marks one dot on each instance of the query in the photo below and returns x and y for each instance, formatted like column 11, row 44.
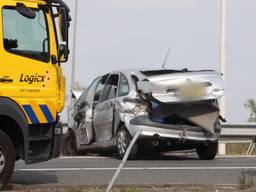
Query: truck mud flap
column 44, row 143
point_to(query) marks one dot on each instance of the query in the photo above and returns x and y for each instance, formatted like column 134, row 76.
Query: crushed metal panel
column 201, row 114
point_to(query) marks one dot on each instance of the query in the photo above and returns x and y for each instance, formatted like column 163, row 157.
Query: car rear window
column 167, row 71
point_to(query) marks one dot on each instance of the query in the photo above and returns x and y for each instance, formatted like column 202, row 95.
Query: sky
column 125, row 34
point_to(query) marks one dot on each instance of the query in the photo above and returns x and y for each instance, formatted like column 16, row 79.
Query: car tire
column 123, row 140
column 207, row 151
column 69, row 145
column 7, row 158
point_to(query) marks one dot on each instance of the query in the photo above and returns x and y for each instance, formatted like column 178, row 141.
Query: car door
column 103, row 117
column 76, row 113
column 85, row 132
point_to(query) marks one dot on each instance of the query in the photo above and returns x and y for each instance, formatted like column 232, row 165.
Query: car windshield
column 25, row 36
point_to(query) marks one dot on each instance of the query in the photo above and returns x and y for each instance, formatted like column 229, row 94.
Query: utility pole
column 73, row 70
column 223, row 59
column 73, row 64
column 223, row 50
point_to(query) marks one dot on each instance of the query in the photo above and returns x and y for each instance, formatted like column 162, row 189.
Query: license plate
column 192, row 91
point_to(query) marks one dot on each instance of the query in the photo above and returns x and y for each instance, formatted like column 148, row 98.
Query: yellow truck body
column 32, row 86
column 32, row 83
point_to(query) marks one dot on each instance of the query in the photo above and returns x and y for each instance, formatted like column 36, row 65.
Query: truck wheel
column 123, row 140
column 69, row 145
column 207, row 151
column 7, row 158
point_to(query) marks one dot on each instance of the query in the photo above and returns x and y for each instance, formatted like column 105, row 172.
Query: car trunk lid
column 169, row 86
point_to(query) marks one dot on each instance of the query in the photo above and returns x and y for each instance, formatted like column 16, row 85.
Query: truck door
column 104, row 112
column 28, row 44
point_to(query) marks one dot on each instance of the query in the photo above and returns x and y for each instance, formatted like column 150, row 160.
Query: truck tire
column 207, row 151
column 123, row 140
column 7, row 158
column 69, row 145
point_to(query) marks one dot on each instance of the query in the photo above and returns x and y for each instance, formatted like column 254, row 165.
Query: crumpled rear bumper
column 179, row 132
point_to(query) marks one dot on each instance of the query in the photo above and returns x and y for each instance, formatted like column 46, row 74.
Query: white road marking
column 235, row 156
column 134, row 168
column 102, row 157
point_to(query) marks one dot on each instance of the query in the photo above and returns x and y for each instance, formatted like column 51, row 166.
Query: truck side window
column 26, row 37
column 123, row 86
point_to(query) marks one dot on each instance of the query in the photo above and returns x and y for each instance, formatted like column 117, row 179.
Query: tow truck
column 34, row 43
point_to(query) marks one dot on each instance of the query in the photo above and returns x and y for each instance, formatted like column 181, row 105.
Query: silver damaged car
column 176, row 110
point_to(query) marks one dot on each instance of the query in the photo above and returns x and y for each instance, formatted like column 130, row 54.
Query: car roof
column 127, row 71
column 144, row 70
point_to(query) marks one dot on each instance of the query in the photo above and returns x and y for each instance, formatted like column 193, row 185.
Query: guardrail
column 237, row 133
column 238, row 130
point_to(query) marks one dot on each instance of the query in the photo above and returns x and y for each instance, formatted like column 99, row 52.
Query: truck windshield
column 26, row 37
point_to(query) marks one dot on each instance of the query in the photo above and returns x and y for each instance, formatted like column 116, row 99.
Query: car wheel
column 207, row 151
column 123, row 140
column 7, row 158
column 69, row 144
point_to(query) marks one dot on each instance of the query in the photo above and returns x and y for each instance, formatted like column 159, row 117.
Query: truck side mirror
column 63, row 23
column 63, row 28
column 25, row 11
column 63, row 52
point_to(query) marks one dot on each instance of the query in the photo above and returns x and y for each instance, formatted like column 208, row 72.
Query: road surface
column 157, row 170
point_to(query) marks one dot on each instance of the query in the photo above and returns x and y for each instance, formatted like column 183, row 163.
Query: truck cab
column 34, row 43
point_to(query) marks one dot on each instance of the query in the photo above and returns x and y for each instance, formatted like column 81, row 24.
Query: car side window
column 90, row 93
column 123, row 86
column 110, row 89
column 99, row 89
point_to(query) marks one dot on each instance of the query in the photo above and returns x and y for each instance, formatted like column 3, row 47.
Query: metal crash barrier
column 238, row 133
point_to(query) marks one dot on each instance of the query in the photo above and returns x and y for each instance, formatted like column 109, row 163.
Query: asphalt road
column 155, row 170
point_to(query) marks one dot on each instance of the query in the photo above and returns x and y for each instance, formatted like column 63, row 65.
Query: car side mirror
column 83, row 104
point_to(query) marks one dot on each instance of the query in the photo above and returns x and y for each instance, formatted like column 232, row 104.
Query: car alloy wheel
column 123, row 142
